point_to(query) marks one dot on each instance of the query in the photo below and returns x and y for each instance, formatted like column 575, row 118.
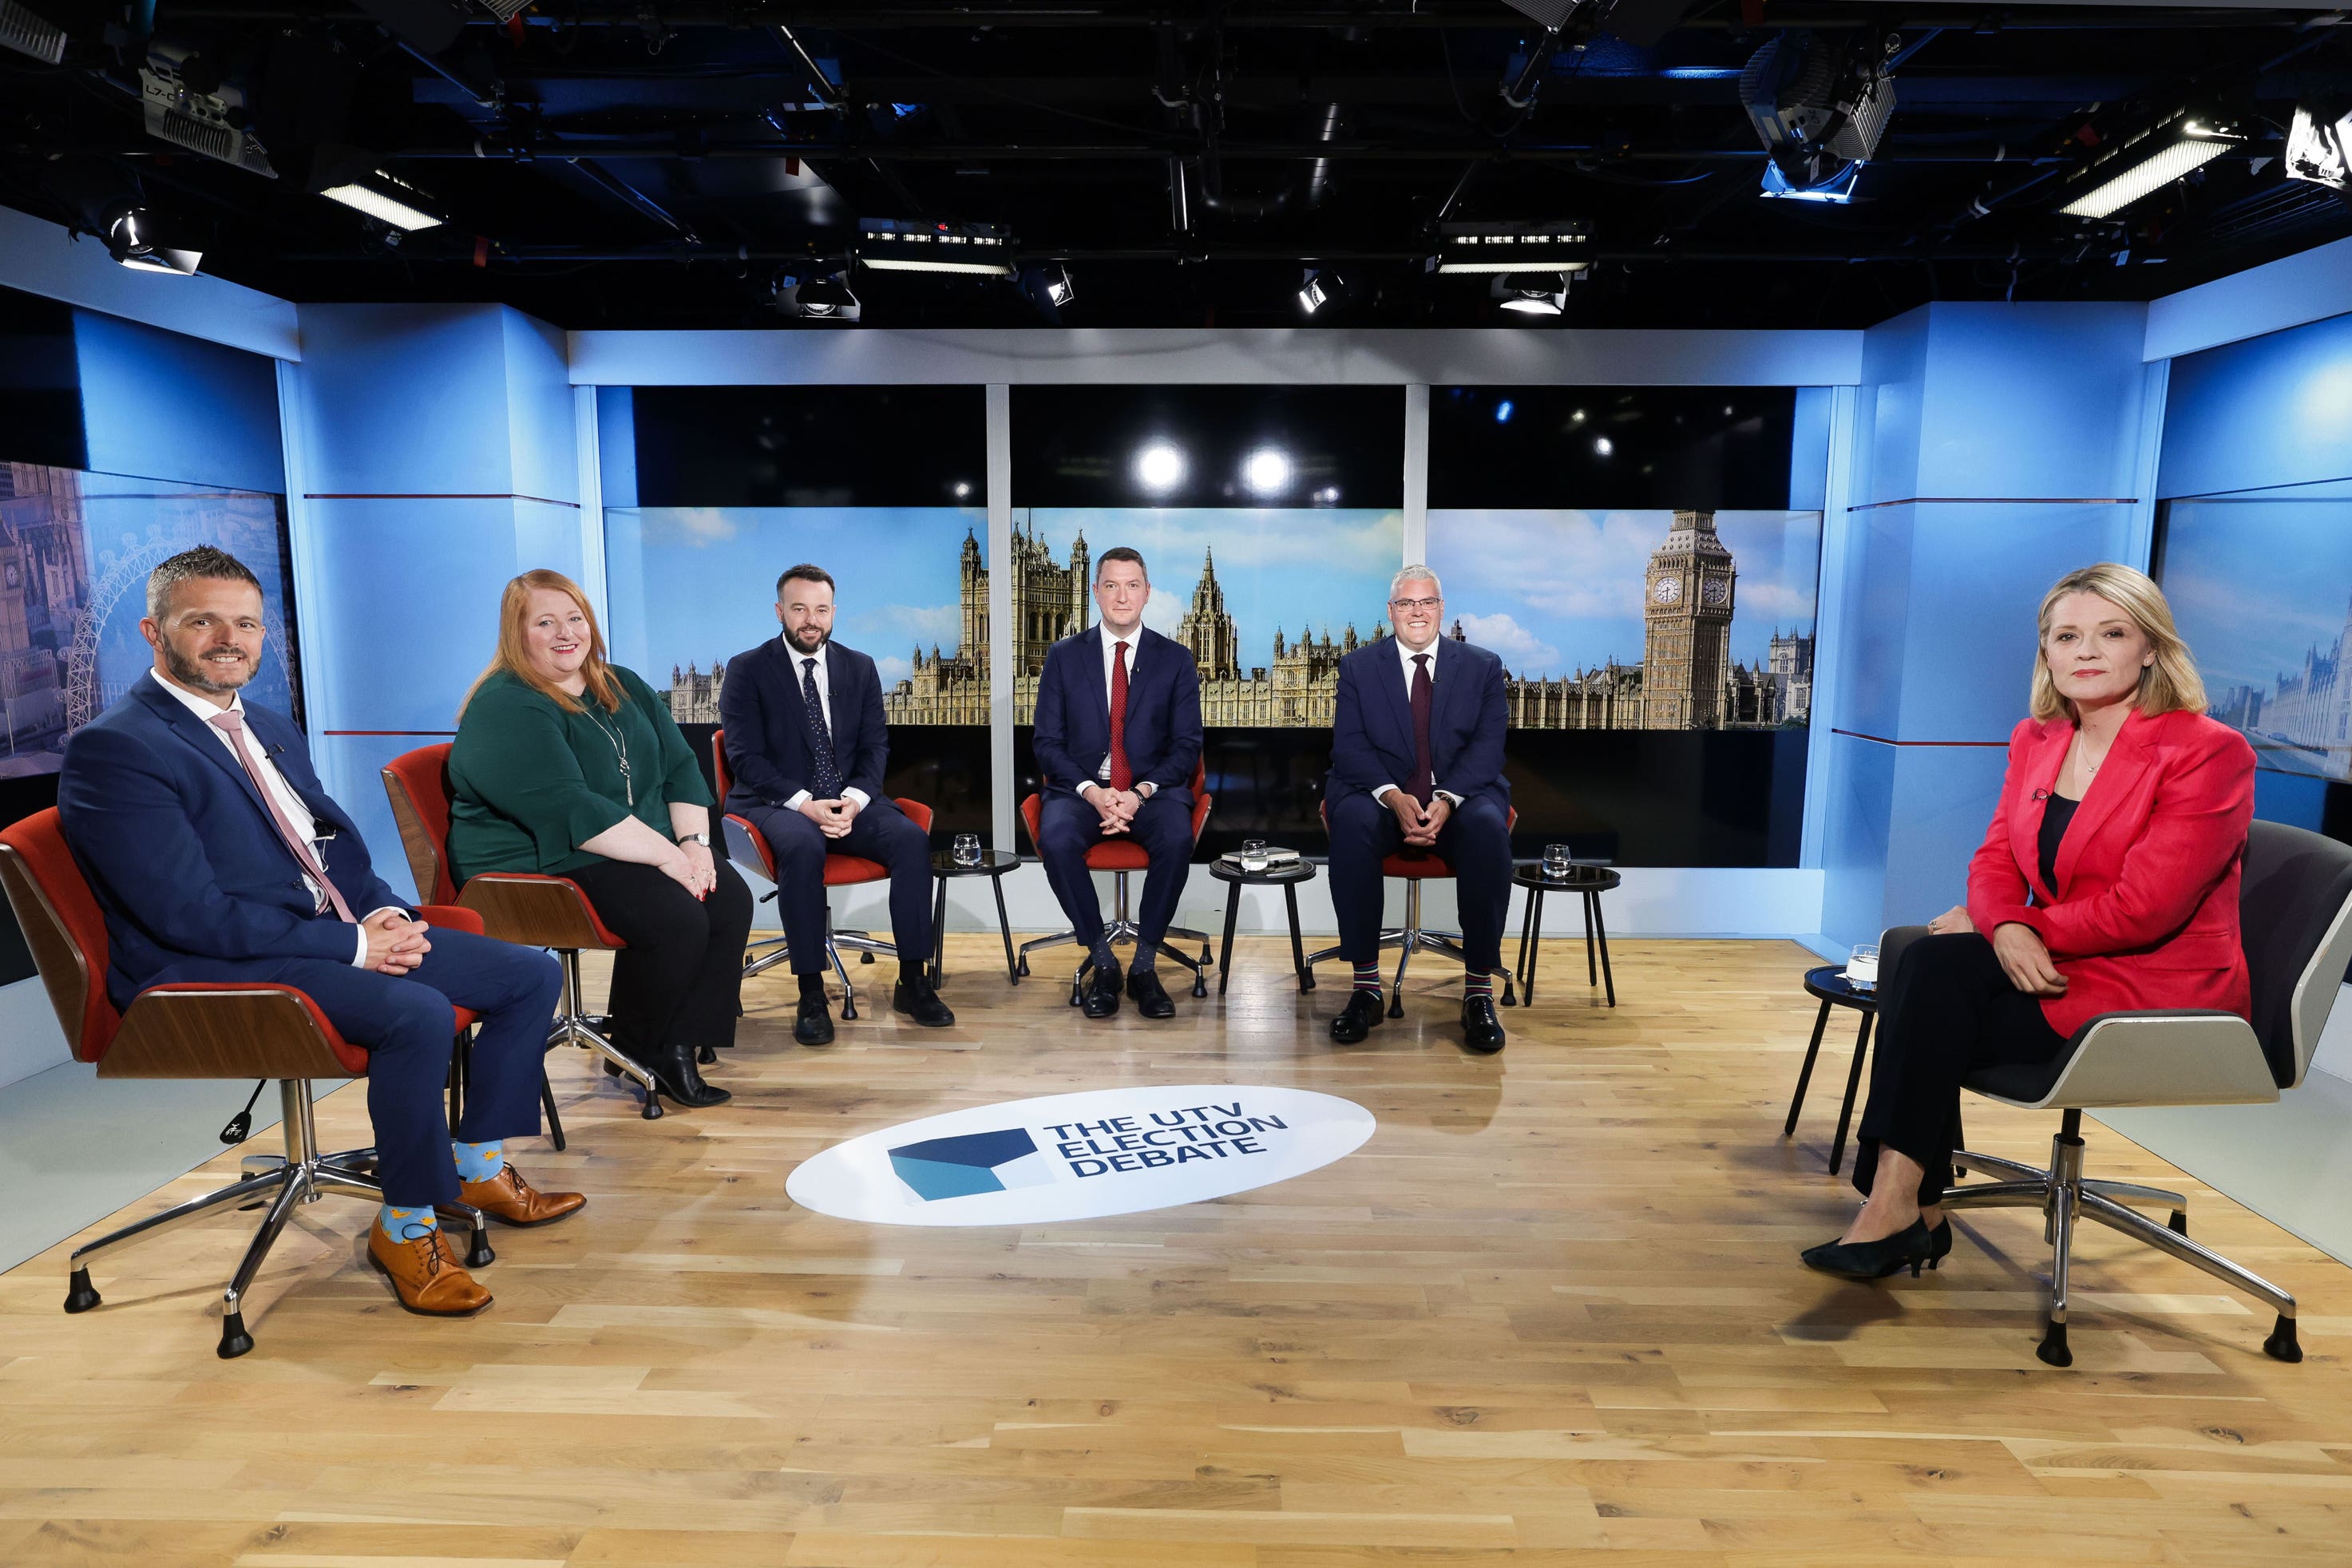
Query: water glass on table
column 966, row 849
column 1555, row 863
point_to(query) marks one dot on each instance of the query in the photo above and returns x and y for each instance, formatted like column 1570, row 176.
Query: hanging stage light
column 820, row 300
column 1321, row 286
column 1818, row 102
column 970, row 250
column 2319, row 145
column 1562, row 247
column 1054, row 282
column 2139, row 165
column 128, row 231
column 27, row 33
column 1837, row 188
column 1526, row 294
column 385, row 199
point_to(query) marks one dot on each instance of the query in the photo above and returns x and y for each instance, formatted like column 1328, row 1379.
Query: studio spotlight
column 2141, row 164
column 189, row 103
column 1562, row 247
column 29, row 33
column 1266, row 471
column 128, row 231
column 1527, row 294
column 1837, row 188
column 1160, row 468
column 2316, row 145
column 1054, row 282
column 385, row 199
column 1819, row 101
column 1321, row 287
column 970, row 249
column 820, row 300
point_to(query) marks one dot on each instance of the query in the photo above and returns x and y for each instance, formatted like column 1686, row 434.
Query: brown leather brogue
column 511, row 1199
column 425, row 1274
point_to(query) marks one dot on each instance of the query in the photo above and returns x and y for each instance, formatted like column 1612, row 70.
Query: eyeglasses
column 1409, row 606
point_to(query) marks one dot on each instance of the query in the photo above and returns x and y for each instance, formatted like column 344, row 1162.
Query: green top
column 529, row 784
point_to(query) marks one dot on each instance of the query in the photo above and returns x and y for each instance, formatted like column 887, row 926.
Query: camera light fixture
column 1525, row 295
column 1053, row 281
column 29, row 33
column 2141, row 164
column 386, row 199
column 2319, row 145
column 967, row 249
column 128, row 231
column 1837, row 188
column 1563, row 246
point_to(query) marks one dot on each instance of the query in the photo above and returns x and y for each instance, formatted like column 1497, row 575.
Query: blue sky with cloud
column 1552, row 592
column 698, row 583
column 1295, row 568
column 2256, row 585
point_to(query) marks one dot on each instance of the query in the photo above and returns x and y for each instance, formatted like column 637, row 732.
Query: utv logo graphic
column 1081, row 1156
column 974, row 1162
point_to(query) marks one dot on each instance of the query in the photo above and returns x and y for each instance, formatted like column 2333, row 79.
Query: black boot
column 675, row 1071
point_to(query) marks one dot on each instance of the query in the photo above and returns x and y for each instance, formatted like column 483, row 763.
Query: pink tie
column 232, row 723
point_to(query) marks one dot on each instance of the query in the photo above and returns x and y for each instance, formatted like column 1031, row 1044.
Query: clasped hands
column 695, row 870
column 832, row 817
column 2024, row 956
column 1421, row 823
column 1116, row 807
column 396, row 943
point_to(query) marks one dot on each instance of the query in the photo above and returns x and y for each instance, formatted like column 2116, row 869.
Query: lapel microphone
column 2041, row 794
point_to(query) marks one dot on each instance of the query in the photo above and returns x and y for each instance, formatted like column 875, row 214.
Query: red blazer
column 2145, row 913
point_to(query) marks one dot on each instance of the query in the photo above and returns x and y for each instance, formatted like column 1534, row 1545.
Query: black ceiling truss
column 644, row 164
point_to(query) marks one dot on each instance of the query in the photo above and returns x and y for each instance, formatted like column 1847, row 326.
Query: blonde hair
column 2170, row 685
column 513, row 657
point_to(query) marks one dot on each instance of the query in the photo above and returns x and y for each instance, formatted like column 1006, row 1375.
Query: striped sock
column 1476, row 986
column 407, row 1225
column 478, row 1162
column 1368, row 977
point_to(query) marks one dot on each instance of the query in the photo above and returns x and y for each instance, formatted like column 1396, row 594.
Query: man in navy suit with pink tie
column 1417, row 765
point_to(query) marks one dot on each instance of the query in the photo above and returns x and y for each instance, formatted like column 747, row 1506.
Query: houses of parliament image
column 1687, row 678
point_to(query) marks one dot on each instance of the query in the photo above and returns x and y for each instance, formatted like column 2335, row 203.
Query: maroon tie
column 1425, row 780
column 233, row 723
column 1122, row 777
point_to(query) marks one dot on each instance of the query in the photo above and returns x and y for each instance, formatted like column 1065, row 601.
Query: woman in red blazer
column 2107, row 881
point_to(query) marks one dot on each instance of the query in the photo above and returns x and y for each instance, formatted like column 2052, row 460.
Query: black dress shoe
column 1482, row 1031
column 678, row 1078
column 920, row 1002
column 1907, row 1248
column 1151, row 996
column 1100, row 999
column 813, row 1024
column 1358, row 1017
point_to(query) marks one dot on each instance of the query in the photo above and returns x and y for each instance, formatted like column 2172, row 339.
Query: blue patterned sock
column 478, row 1162
column 1477, row 985
column 407, row 1225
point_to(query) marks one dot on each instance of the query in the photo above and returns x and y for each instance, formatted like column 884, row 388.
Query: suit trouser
column 879, row 832
column 679, row 986
column 1947, row 1009
column 1068, row 827
column 1475, row 841
column 405, row 1021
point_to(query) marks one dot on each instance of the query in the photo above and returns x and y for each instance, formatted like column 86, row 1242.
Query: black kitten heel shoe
column 1907, row 1248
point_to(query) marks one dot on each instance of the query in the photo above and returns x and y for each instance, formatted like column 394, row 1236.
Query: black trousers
column 1948, row 1008
column 1475, row 841
column 880, row 831
column 678, row 983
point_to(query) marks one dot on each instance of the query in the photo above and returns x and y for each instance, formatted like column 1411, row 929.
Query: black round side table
column 993, row 863
column 1592, row 881
column 1830, row 984
column 1286, row 877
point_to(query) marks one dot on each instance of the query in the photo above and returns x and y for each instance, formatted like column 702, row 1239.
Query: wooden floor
column 1553, row 1308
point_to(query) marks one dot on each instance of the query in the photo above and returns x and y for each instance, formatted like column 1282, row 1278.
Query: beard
column 209, row 679
column 807, row 640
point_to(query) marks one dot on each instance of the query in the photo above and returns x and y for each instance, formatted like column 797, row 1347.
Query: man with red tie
column 1119, row 735
column 1417, row 763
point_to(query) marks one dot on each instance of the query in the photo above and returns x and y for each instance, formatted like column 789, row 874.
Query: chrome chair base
column 1121, row 928
column 576, row 1026
column 301, row 1175
column 2067, row 1198
column 1411, row 938
column 863, row 943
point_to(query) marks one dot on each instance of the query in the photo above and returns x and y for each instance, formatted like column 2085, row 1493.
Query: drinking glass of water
column 1555, row 862
column 967, row 848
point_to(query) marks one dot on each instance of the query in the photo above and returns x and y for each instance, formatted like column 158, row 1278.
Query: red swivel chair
column 746, row 845
column 1413, row 867
column 520, row 906
column 209, row 1030
column 1121, row 857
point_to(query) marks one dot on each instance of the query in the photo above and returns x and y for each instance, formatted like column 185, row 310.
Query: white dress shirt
column 1406, row 655
column 289, row 803
column 823, row 673
column 1110, row 647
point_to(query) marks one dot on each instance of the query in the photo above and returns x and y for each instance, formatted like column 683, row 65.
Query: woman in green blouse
column 570, row 766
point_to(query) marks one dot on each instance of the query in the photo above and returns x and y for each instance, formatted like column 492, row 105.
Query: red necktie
column 1122, row 777
column 1424, row 783
column 232, row 724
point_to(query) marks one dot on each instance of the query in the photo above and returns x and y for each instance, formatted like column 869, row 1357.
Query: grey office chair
column 2295, row 910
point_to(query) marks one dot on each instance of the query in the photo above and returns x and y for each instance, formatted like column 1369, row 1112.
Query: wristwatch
column 701, row 838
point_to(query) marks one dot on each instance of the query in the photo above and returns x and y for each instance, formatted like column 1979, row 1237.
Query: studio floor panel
column 1552, row 1307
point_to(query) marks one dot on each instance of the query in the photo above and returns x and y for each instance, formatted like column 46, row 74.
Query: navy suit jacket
column 1164, row 712
column 768, row 748
column 180, row 849
column 1371, row 730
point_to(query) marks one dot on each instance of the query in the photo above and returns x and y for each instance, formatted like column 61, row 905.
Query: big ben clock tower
column 1687, row 610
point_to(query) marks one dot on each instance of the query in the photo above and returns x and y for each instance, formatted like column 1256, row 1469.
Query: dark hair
column 204, row 560
column 803, row 573
column 1121, row 552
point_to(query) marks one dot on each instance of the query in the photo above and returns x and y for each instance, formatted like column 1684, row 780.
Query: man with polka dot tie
column 1118, row 738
